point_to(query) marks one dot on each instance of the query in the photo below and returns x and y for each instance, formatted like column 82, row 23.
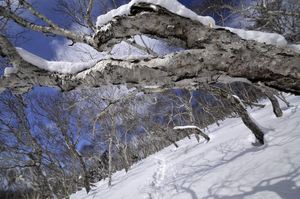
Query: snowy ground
column 226, row 167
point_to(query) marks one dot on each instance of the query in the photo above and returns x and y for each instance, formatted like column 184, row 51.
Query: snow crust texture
column 226, row 167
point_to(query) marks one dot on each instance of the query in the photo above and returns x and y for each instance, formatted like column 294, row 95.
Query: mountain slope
column 226, row 167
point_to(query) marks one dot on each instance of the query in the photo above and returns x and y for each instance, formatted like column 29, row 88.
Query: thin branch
column 37, row 14
column 145, row 49
column 87, row 17
column 53, row 29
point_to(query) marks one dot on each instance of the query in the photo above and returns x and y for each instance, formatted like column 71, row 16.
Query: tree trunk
column 109, row 161
column 272, row 97
column 239, row 107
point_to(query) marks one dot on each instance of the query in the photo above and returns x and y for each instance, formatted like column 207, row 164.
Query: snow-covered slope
column 226, row 167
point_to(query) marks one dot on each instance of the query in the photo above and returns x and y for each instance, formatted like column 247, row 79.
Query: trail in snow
column 159, row 175
column 226, row 167
column 156, row 186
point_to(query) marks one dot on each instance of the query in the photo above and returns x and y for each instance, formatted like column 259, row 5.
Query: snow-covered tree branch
column 114, row 111
column 210, row 55
column 210, row 52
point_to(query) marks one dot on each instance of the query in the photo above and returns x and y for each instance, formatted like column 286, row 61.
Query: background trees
column 280, row 16
column 56, row 143
column 66, row 141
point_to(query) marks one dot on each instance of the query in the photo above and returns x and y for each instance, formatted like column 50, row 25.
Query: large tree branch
column 183, row 69
column 215, row 52
column 158, row 22
column 155, row 23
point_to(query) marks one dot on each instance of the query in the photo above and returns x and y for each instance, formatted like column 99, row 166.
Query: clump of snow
column 105, row 28
column 173, row 6
column 262, row 37
column 226, row 167
column 10, row 70
column 185, row 127
column 81, row 56
column 55, row 66
column 295, row 47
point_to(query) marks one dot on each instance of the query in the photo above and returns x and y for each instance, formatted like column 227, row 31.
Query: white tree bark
column 211, row 53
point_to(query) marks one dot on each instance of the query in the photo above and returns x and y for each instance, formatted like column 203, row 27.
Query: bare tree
column 22, row 144
column 211, row 56
column 235, row 57
column 280, row 16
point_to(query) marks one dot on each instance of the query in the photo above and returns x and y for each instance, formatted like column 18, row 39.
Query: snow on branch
column 239, row 101
column 62, row 67
column 173, row 6
column 186, row 127
column 215, row 52
column 104, row 21
column 199, row 131
column 166, row 72
column 259, row 36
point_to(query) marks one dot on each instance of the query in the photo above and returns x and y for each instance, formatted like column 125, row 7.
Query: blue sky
column 41, row 45
column 36, row 42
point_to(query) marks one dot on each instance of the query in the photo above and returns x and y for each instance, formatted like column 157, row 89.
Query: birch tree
column 211, row 55
column 280, row 16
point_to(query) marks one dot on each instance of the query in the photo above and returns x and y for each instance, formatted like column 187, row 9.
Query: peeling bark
column 210, row 53
column 184, row 69
column 213, row 52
